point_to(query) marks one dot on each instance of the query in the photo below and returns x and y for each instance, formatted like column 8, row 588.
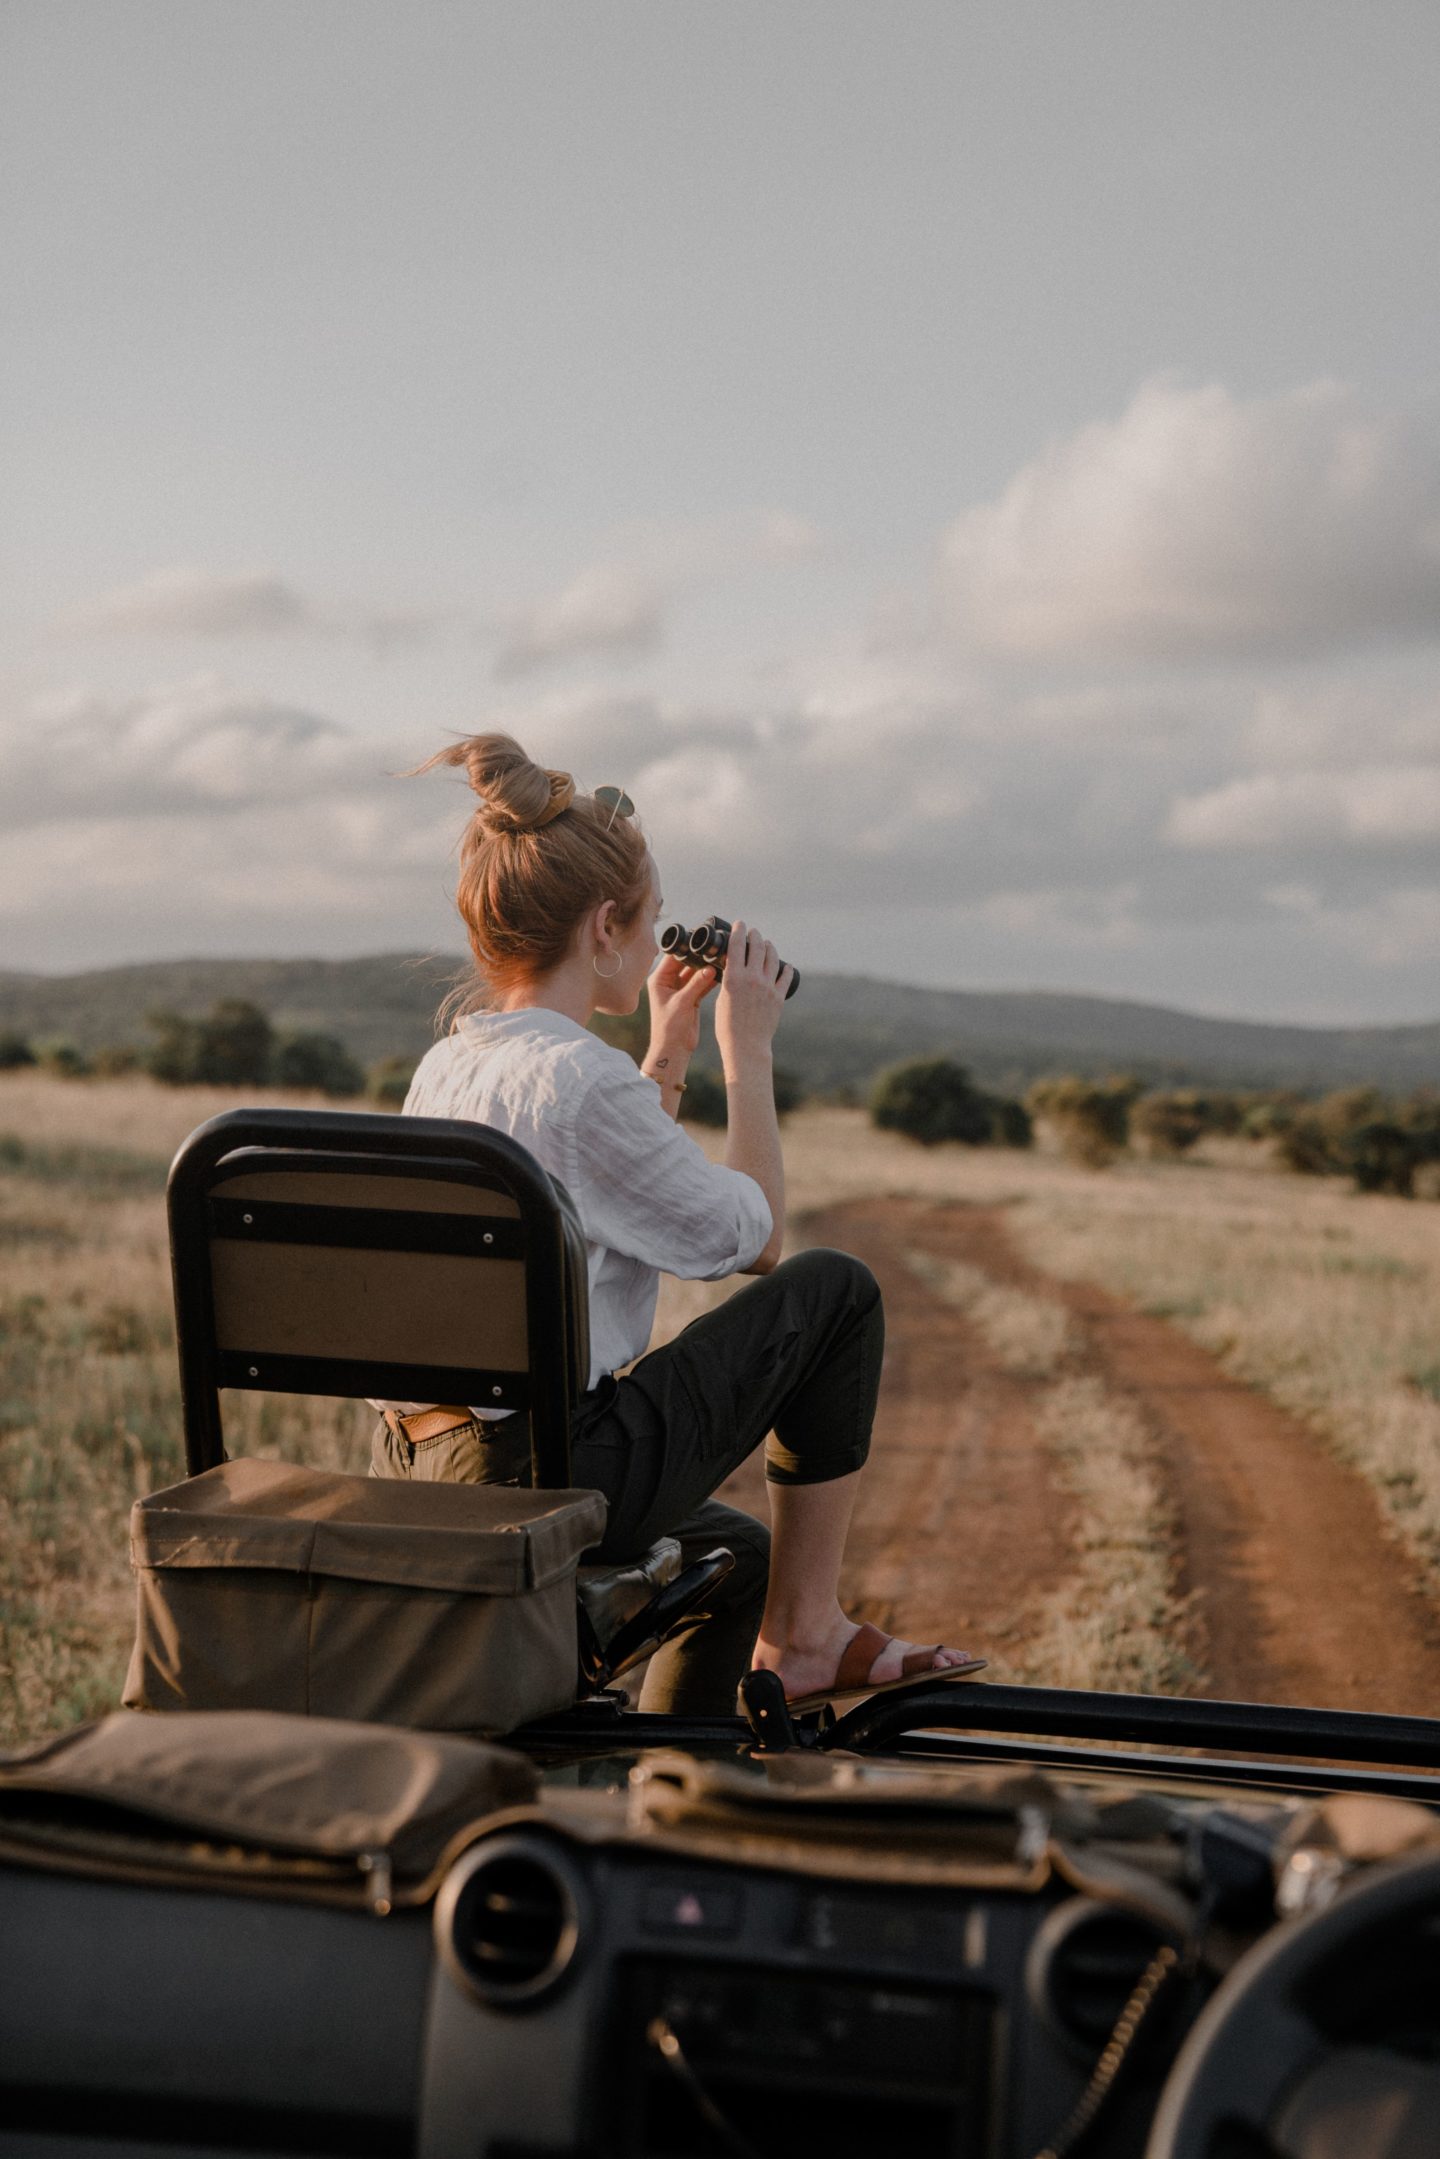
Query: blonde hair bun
column 516, row 794
column 529, row 874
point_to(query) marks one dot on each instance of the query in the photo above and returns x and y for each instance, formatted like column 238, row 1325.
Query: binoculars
column 707, row 946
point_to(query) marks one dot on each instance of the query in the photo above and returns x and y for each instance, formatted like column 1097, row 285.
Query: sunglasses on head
column 616, row 801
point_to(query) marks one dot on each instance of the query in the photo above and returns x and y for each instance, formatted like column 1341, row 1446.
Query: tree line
column 235, row 1044
column 1382, row 1143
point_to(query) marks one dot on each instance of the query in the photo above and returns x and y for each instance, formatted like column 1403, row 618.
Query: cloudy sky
column 972, row 471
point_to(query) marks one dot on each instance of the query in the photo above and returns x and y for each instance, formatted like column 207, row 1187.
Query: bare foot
column 814, row 1669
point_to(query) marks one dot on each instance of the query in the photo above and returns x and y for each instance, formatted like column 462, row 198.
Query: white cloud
column 1346, row 724
column 185, row 746
column 1369, row 806
column 198, row 603
column 600, row 738
column 193, row 603
column 1199, row 524
column 200, row 817
column 1394, row 929
column 609, row 611
column 1074, row 917
column 1075, row 840
column 616, row 608
column 613, row 609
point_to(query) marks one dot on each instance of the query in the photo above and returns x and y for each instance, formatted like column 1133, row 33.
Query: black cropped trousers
column 792, row 1360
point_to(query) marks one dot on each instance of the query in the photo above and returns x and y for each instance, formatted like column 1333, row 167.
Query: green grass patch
column 1378, row 1266
column 51, row 1236
column 108, row 1172
column 1427, row 1381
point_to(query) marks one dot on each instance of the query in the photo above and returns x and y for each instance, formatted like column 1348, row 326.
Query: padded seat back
column 416, row 1259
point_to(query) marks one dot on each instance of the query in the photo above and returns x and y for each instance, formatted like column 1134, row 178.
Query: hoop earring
column 610, row 977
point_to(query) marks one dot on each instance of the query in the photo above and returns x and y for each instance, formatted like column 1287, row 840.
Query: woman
column 560, row 898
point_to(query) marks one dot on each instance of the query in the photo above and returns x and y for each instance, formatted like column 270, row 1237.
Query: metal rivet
column 249, row 1218
column 254, row 1371
column 497, row 1390
column 488, row 1239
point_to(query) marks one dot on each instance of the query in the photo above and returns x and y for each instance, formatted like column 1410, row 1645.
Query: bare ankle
column 802, row 1635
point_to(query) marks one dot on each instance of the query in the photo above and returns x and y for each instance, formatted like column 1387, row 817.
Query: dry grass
column 1027, row 1336
column 133, row 1114
column 1116, row 1621
column 89, row 1404
column 1326, row 1299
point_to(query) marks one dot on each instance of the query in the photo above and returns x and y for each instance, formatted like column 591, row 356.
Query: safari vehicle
column 971, row 1920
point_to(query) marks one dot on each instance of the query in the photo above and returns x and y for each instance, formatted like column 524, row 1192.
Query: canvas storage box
column 445, row 1607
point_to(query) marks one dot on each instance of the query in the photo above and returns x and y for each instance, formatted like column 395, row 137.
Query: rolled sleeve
column 647, row 1190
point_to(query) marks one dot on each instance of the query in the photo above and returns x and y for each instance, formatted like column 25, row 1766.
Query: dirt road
column 1298, row 1594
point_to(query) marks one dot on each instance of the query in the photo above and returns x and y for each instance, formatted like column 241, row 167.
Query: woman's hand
column 752, row 998
column 677, row 992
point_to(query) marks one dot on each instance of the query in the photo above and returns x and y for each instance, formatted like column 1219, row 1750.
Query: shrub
column 1223, row 1113
column 114, row 1060
column 316, row 1061
column 930, row 1100
column 1091, row 1118
column 789, row 1093
column 15, row 1052
column 703, row 1101
column 231, row 1047
column 1304, row 1146
column 1381, row 1157
column 388, row 1083
column 1343, row 1113
column 1358, row 1132
column 234, row 1044
column 1420, row 1117
column 1170, row 1124
column 1011, row 1124
column 173, row 1055
column 62, row 1059
column 1266, row 1116
column 628, row 1031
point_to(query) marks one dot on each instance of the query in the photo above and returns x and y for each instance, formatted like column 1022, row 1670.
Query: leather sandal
column 858, row 1660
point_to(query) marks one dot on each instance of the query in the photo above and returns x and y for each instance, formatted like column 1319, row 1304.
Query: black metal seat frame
column 533, row 1222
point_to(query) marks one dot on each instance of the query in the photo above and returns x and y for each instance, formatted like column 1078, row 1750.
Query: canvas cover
column 264, row 1585
column 254, row 1801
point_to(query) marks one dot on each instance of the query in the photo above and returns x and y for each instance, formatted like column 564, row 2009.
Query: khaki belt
column 428, row 1423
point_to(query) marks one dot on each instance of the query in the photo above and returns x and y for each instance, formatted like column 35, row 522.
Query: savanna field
column 1170, row 1425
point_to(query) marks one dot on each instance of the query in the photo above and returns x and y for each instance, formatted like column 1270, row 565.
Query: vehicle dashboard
column 580, row 1987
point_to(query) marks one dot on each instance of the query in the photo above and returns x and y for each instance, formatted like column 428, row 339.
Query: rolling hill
column 840, row 1030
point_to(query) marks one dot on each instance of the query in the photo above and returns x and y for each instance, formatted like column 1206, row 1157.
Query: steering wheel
column 1259, row 2065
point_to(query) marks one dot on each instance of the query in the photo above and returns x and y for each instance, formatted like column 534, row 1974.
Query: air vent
column 508, row 1920
column 1085, row 1963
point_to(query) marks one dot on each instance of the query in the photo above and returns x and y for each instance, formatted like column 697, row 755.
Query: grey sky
column 972, row 470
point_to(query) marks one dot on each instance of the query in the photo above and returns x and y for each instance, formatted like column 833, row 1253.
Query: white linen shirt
column 647, row 1196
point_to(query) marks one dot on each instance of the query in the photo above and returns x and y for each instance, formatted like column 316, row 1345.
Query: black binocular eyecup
column 707, row 945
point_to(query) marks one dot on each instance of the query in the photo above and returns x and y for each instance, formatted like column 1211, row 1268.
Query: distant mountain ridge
column 840, row 1030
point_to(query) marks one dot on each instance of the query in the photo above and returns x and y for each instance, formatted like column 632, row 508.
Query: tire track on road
column 1299, row 1594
